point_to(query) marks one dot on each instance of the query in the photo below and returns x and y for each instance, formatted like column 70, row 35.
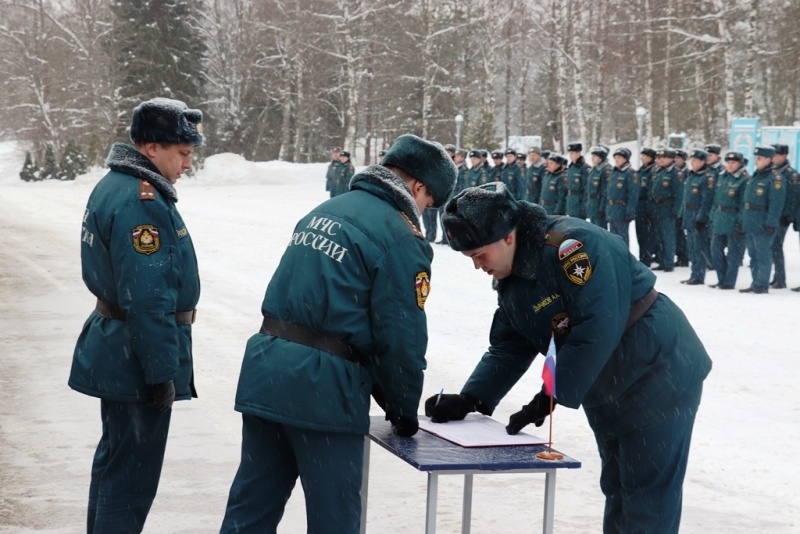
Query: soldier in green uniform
column 665, row 199
column 460, row 159
column 554, row 186
column 645, row 233
column 534, row 174
column 332, row 175
column 764, row 198
column 577, row 174
column 726, row 228
column 596, row 184
column 344, row 311
column 345, row 172
column 496, row 173
column 626, row 353
column 477, row 172
column 698, row 195
column 622, row 194
column 781, row 164
column 134, row 352
column 681, row 250
column 714, row 161
column 511, row 175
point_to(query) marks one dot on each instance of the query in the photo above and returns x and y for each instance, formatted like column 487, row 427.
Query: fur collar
column 382, row 182
column 126, row 159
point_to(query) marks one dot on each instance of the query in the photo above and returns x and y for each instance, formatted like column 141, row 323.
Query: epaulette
column 411, row 224
column 554, row 238
column 146, row 190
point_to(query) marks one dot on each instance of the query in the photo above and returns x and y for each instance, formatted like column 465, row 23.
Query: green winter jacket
column 137, row 256
column 356, row 268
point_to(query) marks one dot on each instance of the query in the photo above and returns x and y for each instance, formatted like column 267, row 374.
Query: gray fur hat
column 479, row 216
column 426, row 161
column 167, row 121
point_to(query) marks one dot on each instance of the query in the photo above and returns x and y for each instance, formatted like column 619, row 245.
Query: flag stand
column 549, row 454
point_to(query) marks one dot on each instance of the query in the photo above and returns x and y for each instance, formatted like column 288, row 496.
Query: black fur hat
column 167, row 121
column 479, row 216
column 426, row 161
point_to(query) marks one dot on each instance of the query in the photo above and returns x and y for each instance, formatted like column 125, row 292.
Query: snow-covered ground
column 742, row 477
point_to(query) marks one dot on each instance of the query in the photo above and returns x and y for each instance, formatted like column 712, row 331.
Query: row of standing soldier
column 699, row 209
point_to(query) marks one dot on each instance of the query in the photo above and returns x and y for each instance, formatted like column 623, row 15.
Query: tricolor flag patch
column 567, row 247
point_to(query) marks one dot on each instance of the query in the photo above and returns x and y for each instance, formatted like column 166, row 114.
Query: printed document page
column 478, row 430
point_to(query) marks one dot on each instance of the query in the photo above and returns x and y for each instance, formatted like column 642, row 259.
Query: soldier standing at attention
column 554, row 186
column 534, row 174
column 764, row 198
column 621, row 195
column 665, row 189
column 714, row 162
column 681, row 252
column 477, row 173
column 496, row 174
column 698, row 195
column 789, row 175
column 626, row 353
column 511, row 175
column 644, row 210
column 726, row 227
column 332, row 175
column 596, row 184
column 577, row 174
column 346, row 171
column 135, row 350
column 344, row 311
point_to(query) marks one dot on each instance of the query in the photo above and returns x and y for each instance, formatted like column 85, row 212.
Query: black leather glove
column 533, row 412
column 628, row 218
column 161, row 396
column 769, row 230
column 738, row 228
column 404, row 426
column 785, row 221
column 451, row 407
column 700, row 226
column 379, row 395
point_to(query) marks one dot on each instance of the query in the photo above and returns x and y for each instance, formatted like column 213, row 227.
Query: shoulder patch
column 567, row 247
column 422, row 286
column 578, row 268
column 411, row 224
column 146, row 190
column 145, row 239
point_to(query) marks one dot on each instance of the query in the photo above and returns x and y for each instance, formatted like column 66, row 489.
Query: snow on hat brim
column 166, row 121
column 479, row 216
column 425, row 161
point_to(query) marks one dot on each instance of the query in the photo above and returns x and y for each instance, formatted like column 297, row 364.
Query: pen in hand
column 441, row 391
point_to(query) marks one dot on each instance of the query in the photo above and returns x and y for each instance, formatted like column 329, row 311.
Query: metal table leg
column 549, row 501
column 430, row 511
column 365, row 486
column 466, row 510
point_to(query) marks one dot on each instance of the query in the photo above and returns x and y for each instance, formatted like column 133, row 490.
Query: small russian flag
column 549, row 370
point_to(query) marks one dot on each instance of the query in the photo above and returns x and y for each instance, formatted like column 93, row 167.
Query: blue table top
column 427, row 452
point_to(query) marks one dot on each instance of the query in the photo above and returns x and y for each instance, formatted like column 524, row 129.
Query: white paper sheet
column 478, row 430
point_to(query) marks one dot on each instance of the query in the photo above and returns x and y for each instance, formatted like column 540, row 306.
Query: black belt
column 662, row 200
column 692, row 206
column 571, row 193
column 617, row 202
column 732, row 210
column 594, row 196
column 752, row 207
column 640, row 307
column 309, row 337
column 548, row 202
column 109, row 311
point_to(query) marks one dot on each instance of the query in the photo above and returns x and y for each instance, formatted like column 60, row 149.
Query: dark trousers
column 664, row 230
column 620, row 228
column 444, row 234
column 759, row 247
column 127, row 467
column 643, row 470
column 777, row 255
column 699, row 245
column 430, row 221
column 727, row 265
column 646, row 238
column 273, row 456
column 680, row 244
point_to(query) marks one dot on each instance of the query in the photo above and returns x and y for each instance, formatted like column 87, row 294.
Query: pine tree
column 73, row 162
column 481, row 130
column 29, row 172
column 159, row 53
column 50, row 168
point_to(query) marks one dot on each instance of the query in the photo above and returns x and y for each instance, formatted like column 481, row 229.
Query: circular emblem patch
column 561, row 323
